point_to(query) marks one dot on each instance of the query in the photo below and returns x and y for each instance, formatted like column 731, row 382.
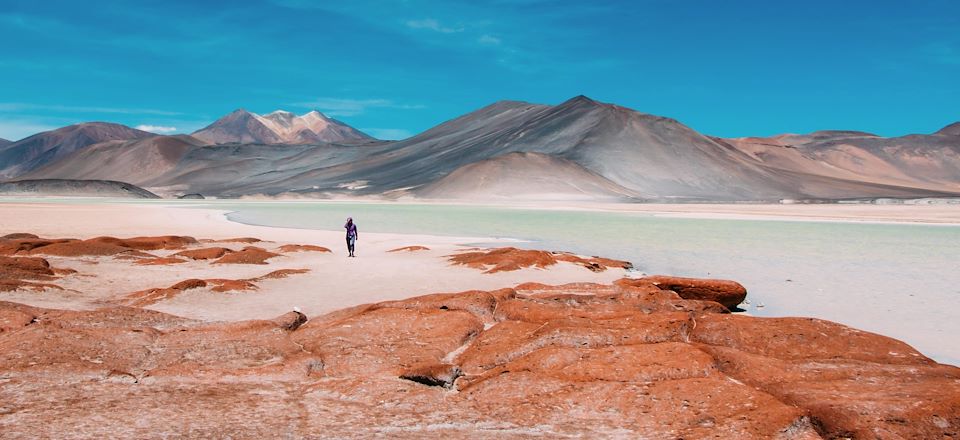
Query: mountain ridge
column 278, row 127
column 46, row 147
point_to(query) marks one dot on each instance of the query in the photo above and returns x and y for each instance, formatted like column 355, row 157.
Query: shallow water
column 900, row 280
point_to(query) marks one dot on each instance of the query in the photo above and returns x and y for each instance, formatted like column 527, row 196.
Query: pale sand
column 934, row 213
column 334, row 281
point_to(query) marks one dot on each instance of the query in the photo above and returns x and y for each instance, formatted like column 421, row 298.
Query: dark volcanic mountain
column 4, row 143
column 279, row 127
column 50, row 146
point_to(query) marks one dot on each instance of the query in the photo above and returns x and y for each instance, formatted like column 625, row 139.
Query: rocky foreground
column 658, row 357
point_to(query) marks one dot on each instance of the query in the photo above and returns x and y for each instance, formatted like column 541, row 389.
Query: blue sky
column 727, row 68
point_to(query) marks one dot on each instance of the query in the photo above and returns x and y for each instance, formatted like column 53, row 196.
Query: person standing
column 352, row 235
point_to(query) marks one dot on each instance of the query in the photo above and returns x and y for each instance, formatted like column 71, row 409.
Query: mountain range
column 580, row 149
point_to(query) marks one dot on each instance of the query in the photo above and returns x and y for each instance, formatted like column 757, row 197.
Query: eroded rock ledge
column 632, row 359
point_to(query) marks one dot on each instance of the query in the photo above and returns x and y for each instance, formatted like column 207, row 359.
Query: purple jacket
column 351, row 229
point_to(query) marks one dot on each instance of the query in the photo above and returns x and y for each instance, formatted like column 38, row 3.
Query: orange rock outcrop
column 629, row 360
column 248, row 255
column 410, row 249
column 510, row 258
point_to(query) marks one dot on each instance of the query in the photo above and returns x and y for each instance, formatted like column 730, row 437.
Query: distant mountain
column 649, row 156
column 918, row 161
column 950, row 130
column 73, row 188
column 139, row 161
column 4, row 143
column 279, row 127
column 40, row 149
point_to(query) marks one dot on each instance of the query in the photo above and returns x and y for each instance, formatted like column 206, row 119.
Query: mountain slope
column 138, row 162
column 73, row 188
column 279, row 127
column 921, row 161
column 950, row 130
column 525, row 176
column 40, row 149
column 4, row 143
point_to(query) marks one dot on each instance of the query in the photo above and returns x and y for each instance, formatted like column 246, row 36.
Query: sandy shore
column 939, row 213
column 333, row 281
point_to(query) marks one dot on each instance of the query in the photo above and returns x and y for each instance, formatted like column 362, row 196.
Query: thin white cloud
column 433, row 25
column 337, row 107
column 159, row 129
column 390, row 134
column 489, row 40
column 22, row 106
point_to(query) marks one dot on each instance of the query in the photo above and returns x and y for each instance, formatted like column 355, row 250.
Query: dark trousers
column 351, row 242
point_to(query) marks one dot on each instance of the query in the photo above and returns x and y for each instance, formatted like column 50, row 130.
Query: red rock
column 302, row 248
column 9, row 285
column 594, row 264
column 504, row 259
column 249, row 255
column 282, row 273
column 728, row 293
column 189, row 284
column 168, row 242
column 222, row 285
column 210, row 253
column 16, row 271
column 148, row 297
column 410, row 249
column 580, row 360
column 133, row 254
column 159, row 261
column 247, row 240
column 19, row 236
column 75, row 248
column 25, row 268
column 15, row 246
column 432, row 374
column 510, row 259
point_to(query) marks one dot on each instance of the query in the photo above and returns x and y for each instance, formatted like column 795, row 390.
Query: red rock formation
column 410, row 249
column 247, row 240
column 726, row 292
column 282, row 273
column 15, row 271
column 210, row 253
column 224, row 285
column 25, row 268
column 148, row 297
column 656, row 357
column 302, row 248
column 30, row 244
column 509, row 259
column 152, row 296
column 249, row 255
column 581, row 360
column 159, row 261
